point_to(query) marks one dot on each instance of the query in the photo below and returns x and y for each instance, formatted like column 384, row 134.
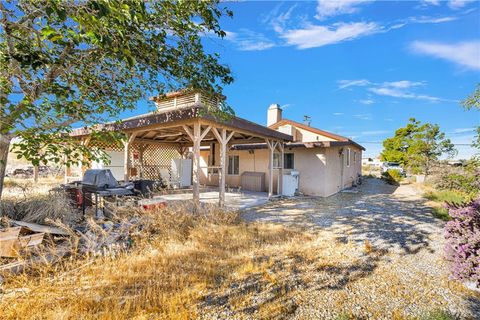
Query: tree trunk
column 5, row 140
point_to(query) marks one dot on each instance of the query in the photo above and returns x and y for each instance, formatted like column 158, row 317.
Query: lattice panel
column 113, row 146
column 154, row 163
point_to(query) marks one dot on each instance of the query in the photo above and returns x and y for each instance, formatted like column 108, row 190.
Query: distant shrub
column 449, row 196
column 465, row 180
column 463, row 241
column 392, row 176
column 438, row 314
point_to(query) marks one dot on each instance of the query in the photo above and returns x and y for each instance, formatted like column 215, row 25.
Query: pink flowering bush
column 463, row 241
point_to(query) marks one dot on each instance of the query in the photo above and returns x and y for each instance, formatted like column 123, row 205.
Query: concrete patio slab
column 233, row 200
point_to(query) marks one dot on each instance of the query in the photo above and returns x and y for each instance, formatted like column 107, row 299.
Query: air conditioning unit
column 290, row 183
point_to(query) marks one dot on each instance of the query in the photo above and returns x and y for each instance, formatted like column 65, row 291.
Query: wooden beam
column 189, row 132
column 196, row 138
column 280, row 171
column 223, row 140
column 271, row 148
column 126, row 155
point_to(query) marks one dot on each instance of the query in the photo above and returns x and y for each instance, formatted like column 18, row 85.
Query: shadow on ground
column 377, row 212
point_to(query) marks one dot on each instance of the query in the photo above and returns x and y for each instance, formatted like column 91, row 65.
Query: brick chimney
column 274, row 114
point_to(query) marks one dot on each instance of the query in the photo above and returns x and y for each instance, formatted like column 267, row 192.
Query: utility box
column 253, row 181
column 181, row 173
column 290, row 183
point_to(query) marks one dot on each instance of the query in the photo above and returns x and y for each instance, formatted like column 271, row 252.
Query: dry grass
column 185, row 265
column 175, row 260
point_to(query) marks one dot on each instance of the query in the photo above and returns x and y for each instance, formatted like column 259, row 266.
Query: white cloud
column 374, row 132
column 363, row 116
column 402, row 84
column 427, row 19
column 317, row 36
column 463, row 130
column 458, row 4
column 247, row 40
column 342, row 84
column 367, row 101
column 397, row 89
column 330, row 8
column 465, row 53
column 338, row 114
column 432, row 2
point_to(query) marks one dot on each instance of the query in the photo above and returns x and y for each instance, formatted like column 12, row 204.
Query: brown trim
column 307, row 128
column 308, row 145
column 315, row 130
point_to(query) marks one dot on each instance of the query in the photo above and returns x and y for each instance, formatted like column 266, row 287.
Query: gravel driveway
column 409, row 278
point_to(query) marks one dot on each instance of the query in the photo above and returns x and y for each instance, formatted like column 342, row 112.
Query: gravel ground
column 381, row 256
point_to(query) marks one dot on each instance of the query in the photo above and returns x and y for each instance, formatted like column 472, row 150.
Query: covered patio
column 180, row 127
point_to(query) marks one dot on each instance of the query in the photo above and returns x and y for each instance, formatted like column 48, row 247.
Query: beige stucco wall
column 308, row 136
column 320, row 169
column 335, row 161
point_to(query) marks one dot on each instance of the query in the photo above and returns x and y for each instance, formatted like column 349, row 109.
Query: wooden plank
column 31, row 240
column 41, row 228
column 10, row 248
column 10, row 233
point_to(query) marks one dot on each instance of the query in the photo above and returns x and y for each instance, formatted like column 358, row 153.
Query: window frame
column 348, row 157
column 285, row 162
column 230, row 170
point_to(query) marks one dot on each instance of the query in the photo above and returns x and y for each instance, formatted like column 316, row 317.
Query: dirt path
column 407, row 276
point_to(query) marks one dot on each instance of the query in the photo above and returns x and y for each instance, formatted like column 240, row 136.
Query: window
column 288, row 161
column 354, row 157
column 233, row 165
column 276, row 161
column 348, row 157
column 211, row 161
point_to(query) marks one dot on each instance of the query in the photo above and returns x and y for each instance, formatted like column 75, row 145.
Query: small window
column 211, row 163
column 276, row 161
column 348, row 157
column 288, row 161
column 354, row 157
column 233, row 165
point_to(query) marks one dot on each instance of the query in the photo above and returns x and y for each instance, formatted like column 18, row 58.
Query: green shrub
column 449, row 196
column 438, row 315
column 466, row 180
column 392, row 177
column 444, row 197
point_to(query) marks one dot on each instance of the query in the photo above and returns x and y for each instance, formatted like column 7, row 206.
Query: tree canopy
column 417, row 145
column 473, row 102
column 66, row 63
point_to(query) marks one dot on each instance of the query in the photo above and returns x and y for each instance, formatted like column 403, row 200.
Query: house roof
column 330, row 135
column 157, row 119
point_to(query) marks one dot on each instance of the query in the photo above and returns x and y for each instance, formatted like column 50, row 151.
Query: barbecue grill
column 103, row 183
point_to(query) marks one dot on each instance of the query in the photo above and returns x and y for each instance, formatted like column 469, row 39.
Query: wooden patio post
column 271, row 148
column 223, row 141
column 196, row 136
column 126, row 155
column 280, row 171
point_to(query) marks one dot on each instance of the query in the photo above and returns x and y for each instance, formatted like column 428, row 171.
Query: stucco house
column 323, row 162
column 186, row 148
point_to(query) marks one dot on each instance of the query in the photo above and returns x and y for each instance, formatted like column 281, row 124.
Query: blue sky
column 357, row 68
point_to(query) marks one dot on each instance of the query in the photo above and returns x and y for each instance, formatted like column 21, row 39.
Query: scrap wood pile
column 54, row 235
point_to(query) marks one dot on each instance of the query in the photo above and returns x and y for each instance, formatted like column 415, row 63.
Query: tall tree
column 66, row 63
column 417, row 146
column 473, row 102
column 395, row 149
